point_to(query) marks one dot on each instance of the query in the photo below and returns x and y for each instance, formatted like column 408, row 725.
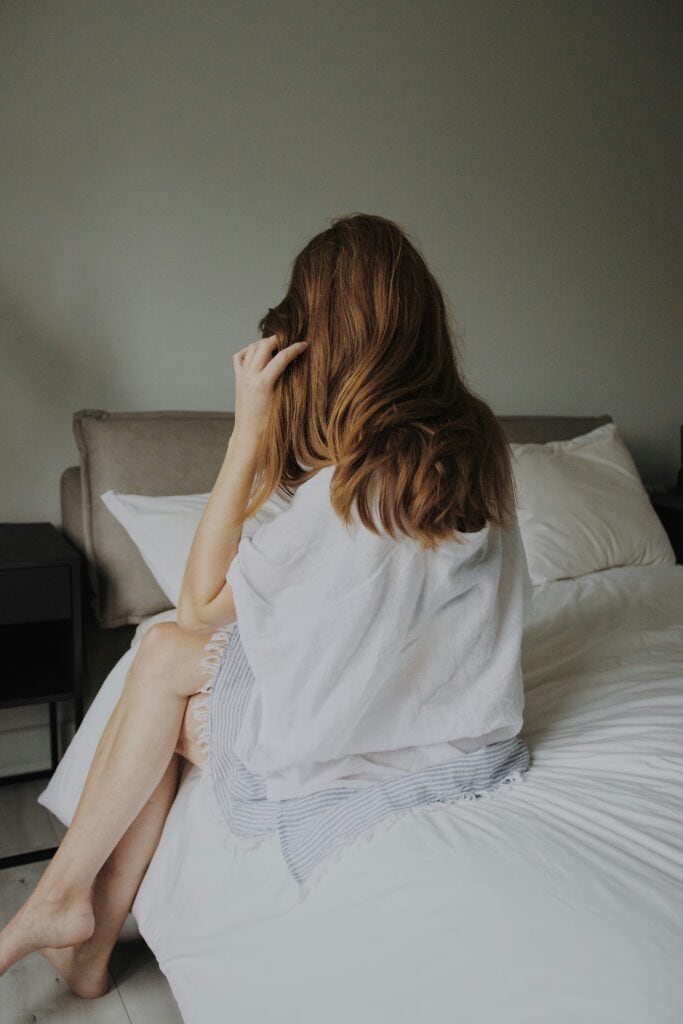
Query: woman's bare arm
column 205, row 595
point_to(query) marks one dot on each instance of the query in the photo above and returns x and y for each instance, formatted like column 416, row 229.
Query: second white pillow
column 582, row 507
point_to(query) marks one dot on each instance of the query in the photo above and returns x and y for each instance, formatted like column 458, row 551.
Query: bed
column 559, row 899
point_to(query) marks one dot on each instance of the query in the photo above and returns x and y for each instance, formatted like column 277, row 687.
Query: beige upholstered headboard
column 167, row 452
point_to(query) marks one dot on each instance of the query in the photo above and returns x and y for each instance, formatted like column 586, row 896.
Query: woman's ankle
column 61, row 890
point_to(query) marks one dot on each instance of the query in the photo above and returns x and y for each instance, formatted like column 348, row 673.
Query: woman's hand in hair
column 256, row 371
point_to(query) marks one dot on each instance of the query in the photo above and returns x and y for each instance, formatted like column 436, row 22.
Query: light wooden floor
column 32, row 991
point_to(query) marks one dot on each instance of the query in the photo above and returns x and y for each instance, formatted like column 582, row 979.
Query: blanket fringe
column 320, row 871
column 211, row 663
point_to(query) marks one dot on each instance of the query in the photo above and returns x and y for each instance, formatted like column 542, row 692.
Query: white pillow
column 163, row 528
column 582, row 507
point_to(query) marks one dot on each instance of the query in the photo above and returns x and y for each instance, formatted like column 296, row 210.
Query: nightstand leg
column 54, row 738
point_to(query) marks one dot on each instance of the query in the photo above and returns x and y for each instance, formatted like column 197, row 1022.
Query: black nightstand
column 40, row 634
column 668, row 504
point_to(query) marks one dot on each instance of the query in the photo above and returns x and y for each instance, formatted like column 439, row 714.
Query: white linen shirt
column 372, row 657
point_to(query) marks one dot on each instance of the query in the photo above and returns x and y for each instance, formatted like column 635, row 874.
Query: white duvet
column 557, row 900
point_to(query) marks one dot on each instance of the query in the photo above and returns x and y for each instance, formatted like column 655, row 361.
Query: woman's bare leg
column 85, row 966
column 130, row 761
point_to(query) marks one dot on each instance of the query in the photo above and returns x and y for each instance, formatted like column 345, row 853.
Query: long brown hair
column 379, row 393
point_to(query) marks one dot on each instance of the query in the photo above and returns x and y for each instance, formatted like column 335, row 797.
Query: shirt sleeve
column 263, row 567
column 527, row 582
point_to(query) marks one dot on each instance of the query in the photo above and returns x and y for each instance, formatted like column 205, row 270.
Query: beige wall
column 164, row 161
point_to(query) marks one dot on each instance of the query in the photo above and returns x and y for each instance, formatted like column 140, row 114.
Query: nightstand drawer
column 28, row 595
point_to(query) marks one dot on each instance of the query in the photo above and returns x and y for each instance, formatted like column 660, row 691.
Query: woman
column 373, row 393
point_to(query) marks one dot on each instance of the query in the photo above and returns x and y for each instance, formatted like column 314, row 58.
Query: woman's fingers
column 256, row 370
column 258, row 352
column 279, row 362
column 257, row 357
column 262, row 350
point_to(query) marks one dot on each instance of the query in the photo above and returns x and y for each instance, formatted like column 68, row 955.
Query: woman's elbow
column 189, row 620
column 220, row 612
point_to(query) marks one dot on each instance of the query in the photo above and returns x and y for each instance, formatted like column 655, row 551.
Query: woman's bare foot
column 84, row 968
column 41, row 923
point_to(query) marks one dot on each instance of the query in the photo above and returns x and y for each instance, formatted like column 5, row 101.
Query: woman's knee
column 158, row 647
column 170, row 656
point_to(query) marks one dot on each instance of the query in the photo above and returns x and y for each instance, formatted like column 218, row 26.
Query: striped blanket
column 312, row 827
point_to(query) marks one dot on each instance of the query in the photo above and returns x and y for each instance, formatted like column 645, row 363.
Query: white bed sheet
column 557, row 899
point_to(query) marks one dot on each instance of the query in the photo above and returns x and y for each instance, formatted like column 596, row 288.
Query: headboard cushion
column 176, row 452
column 540, row 429
column 152, row 453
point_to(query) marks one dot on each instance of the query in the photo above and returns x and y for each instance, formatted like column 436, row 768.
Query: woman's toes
column 44, row 923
